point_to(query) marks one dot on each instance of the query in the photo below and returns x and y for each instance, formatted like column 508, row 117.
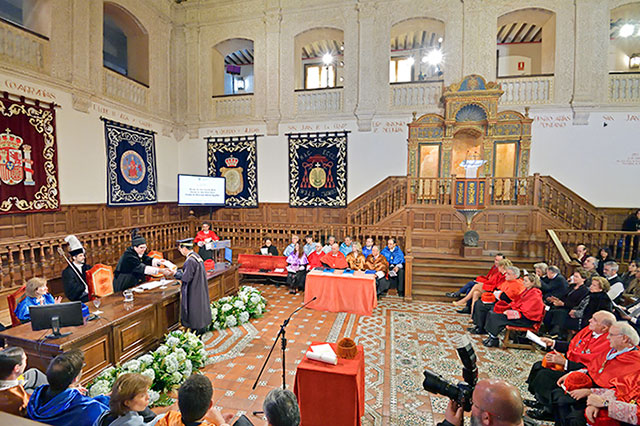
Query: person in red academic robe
column 490, row 284
column 334, row 259
column 606, row 371
column 588, row 344
column 481, row 279
column 610, row 407
column 206, row 235
column 525, row 309
column 315, row 256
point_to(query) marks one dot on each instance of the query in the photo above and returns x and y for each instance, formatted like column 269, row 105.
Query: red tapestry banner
column 28, row 157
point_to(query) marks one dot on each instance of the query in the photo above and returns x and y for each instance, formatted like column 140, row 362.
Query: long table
column 124, row 329
column 338, row 292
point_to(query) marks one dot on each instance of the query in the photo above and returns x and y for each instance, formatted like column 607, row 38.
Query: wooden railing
column 566, row 205
column 21, row 260
column 382, row 200
column 562, row 243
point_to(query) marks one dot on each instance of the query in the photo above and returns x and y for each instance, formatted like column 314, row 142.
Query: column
column 479, row 39
column 367, row 70
column 272, row 20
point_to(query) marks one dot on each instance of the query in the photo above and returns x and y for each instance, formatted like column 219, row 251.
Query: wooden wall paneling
column 98, row 355
column 13, row 226
column 115, row 217
column 86, row 219
column 135, row 334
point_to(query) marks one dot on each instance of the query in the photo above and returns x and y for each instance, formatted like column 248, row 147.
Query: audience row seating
column 257, row 264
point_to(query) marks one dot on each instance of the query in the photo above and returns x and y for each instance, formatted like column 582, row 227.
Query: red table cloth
column 331, row 394
column 336, row 292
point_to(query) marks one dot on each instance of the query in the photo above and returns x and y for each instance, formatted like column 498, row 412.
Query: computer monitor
column 55, row 316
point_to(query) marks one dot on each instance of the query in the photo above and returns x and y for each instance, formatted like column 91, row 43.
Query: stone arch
column 238, row 52
column 624, row 45
column 34, row 15
column 309, row 47
column 526, row 42
column 124, row 33
column 412, row 42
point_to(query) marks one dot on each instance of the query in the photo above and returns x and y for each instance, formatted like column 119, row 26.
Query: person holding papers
column 195, row 312
column 134, row 264
column 334, row 259
column 203, row 239
column 268, row 249
column 377, row 262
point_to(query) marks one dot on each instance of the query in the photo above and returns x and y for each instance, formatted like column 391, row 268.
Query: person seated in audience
column 631, row 313
column 296, row 269
column 195, row 401
column 495, row 403
column 620, row 403
column 309, row 245
column 604, row 255
column 74, row 287
column 268, row 248
column 581, row 253
column 61, row 402
column 616, row 287
column 37, row 294
column 591, row 265
column 506, row 292
column 315, row 256
column 632, row 224
column 294, row 240
column 524, row 311
column 557, row 285
column 633, row 289
column 334, row 259
column 129, row 403
column 541, row 271
column 281, row 408
column 331, row 240
column 465, row 289
column 368, row 245
column 596, row 300
column 556, row 316
column 356, row 259
column 488, row 286
column 134, row 265
column 588, row 344
column 347, row 246
column 204, row 237
column 395, row 257
column 16, row 384
column 377, row 262
column 630, row 274
column 621, row 362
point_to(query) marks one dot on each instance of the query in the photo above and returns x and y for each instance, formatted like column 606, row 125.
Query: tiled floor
column 400, row 339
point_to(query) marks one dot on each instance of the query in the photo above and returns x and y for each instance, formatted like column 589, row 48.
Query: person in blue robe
column 395, row 257
column 36, row 294
column 60, row 403
column 368, row 246
column 347, row 246
column 291, row 247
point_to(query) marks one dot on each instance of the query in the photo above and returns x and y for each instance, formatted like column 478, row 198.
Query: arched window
column 233, row 67
column 319, row 58
column 33, row 15
column 416, row 50
column 624, row 38
column 526, row 42
column 125, row 44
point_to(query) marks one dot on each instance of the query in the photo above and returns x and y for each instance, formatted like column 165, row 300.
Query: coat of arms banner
column 28, row 157
column 131, row 165
column 235, row 159
column 318, row 169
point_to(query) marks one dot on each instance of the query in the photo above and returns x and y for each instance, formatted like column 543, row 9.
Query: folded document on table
column 323, row 353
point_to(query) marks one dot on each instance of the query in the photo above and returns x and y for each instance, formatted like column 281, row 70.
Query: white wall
column 82, row 172
column 600, row 163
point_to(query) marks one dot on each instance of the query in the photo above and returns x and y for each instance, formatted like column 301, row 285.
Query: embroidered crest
column 14, row 166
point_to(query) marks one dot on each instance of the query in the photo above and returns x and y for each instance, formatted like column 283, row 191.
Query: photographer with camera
column 495, row 402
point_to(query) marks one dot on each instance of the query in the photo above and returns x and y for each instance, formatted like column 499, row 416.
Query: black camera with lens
column 462, row 392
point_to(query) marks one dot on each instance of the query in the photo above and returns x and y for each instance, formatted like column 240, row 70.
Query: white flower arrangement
column 168, row 367
column 239, row 309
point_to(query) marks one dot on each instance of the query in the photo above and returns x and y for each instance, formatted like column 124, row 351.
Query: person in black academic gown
column 195, row 310
column 74, row 287
column 134, row 265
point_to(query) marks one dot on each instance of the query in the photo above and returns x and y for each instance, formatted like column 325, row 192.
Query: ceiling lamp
column 434, row 57
column 411, row 60
column 626, row 30
column 327, row 58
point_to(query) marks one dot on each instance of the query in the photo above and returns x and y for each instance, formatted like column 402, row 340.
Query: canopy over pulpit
column 471, row 129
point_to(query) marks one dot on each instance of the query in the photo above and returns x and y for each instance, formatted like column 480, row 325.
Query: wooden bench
column 260, row 265
column 508, row 343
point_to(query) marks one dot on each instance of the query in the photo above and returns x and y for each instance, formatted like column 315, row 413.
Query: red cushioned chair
column 508, row 343
column 13, row 300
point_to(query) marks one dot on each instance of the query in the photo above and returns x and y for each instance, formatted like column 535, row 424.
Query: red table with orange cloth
column 331, row 394
column 336, row 292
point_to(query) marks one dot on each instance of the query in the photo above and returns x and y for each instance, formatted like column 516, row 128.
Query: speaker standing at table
column 195, row 309
column 204, row 239
column 74, row 288
column 134, row 265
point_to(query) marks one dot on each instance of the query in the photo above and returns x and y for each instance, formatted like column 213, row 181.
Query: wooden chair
column 100, row 281
column 509, row 343
column 13, row 300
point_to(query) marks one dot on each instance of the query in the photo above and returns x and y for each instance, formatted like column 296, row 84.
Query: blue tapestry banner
column 318, row 169
column 235, row 159
column 131, row 165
